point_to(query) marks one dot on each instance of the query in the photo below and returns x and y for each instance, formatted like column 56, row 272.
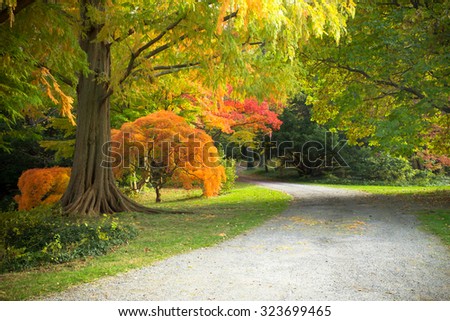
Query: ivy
column 42, row 236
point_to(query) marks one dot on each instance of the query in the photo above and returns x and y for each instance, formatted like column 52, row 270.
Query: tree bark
column 21, row 4
column 92, row 189
column 158, row 194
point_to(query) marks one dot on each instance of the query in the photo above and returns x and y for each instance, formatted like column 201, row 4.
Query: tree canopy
column 125, row 48
column 377, row 71
column 388, row 78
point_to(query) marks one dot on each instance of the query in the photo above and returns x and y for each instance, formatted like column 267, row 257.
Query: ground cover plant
column 42, row 236
column 159, row 236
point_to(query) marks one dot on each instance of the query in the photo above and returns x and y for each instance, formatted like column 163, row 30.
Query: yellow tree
column 128, row 46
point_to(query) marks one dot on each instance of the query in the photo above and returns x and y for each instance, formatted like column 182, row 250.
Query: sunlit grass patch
column 392, row 190
column 437, row 222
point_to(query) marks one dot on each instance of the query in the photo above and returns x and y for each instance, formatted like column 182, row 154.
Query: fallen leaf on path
column 306, row 221
column 355, row 225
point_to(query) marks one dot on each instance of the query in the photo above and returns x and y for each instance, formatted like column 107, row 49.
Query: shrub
column 230, row 173
column 39, row 236
column 42, row 186
column 383, row 167
column 426, row 177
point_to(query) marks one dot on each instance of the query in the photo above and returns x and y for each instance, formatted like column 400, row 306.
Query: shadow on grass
column 180, row 200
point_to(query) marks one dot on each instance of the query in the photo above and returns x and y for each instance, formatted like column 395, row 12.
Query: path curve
column 331, row 244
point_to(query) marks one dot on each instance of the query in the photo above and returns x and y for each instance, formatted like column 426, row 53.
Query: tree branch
column 137, row 53
column 167, row 72
column 130, row 32
column 159, row 37
column 179, row 66
column 389, row 83
column 164, row 47
column 414, row 91
column 410, row 90
column 21, row 4
column 61, row 77
column 134, row 55
column 170, row 44
column 383, row 95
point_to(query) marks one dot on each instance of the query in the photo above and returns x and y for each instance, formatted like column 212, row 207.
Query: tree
column 127, row 46
column 306, row 146
column 312, row 150
column 387, row 80
column 162, row 146
column 248, row 114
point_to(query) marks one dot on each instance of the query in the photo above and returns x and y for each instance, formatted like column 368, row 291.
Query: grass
column 437, row 222
column 393, row 190
column 374, row 189
column 209, row 222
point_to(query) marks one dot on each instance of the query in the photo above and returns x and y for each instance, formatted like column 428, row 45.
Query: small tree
column 164, row 146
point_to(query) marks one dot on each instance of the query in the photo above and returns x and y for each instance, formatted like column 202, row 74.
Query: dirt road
column 331, row 244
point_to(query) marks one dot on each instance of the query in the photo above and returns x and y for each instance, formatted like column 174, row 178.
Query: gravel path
column 331, row 244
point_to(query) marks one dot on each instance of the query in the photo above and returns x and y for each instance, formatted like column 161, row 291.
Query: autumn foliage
column 42, row 186
column 163, row 145
column 229, row 115
column 248, row 114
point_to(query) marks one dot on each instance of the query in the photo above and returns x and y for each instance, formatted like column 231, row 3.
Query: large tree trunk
column 92, row 188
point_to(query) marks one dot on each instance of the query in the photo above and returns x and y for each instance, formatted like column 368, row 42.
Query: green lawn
column 392, row 190
column 160, row 236
column 437, row 222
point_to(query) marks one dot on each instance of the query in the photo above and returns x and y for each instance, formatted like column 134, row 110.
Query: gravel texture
column 331, row 244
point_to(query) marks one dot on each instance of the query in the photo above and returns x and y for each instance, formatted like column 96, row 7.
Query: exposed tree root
column 106, row 202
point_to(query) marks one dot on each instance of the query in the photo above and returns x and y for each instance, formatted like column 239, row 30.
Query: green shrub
column 424, row 177
column 40, row 236
column 383, row 167
column 230, row 173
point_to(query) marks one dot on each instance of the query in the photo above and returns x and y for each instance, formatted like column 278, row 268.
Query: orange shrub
column 42, row 186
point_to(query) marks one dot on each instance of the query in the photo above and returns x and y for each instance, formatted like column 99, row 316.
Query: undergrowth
column 42, row 236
